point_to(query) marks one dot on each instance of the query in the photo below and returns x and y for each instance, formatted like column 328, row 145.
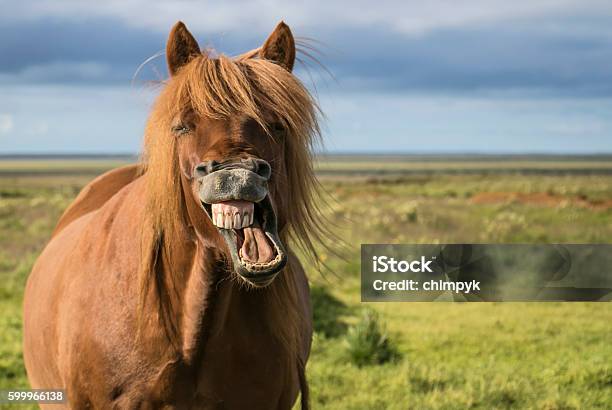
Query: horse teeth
column 233, row 214
column 220, row 220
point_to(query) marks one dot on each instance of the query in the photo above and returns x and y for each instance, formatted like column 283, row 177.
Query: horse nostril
column 263, row 169
column 204, row 168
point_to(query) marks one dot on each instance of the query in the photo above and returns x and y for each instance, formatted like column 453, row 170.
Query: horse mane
column 219, row 87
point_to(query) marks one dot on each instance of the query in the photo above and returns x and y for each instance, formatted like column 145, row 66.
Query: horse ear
column 181, row 47
column 280, row 47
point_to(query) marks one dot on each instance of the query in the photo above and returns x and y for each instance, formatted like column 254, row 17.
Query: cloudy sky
column 408, row 76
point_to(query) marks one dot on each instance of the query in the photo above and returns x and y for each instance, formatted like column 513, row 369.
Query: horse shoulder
column 97, row 193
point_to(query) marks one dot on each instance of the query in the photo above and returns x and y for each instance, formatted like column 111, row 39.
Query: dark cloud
column 56, row 43
column 532, row 56
column 483, row 58
column 116, row 49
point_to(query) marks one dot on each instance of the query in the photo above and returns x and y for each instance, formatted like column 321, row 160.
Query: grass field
column 451, row 355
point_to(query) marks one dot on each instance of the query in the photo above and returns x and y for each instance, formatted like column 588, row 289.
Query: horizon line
column 427, row 154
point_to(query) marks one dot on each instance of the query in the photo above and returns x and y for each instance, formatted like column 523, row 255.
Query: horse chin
column 257, row 273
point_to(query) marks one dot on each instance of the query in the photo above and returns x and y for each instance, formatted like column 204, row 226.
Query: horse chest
column 238, row 373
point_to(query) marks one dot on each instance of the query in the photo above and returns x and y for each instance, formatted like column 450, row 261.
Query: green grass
column 367, row 342
column 449, row 355
column 375, row 165
column 479, row 355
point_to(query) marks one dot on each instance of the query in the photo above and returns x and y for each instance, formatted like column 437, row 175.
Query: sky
column 475, row 76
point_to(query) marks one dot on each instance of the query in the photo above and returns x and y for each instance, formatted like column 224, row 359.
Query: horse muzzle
column 235, row 196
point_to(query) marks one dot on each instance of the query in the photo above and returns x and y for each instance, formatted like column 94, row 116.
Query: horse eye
column 180, row 129
column 277, row 128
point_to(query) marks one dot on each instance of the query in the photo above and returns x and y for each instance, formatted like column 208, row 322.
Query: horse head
column 238, row 132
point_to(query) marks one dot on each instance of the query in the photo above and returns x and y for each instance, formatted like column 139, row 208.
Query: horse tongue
column 256, row 246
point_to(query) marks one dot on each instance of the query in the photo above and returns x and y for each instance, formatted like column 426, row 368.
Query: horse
column 173, row 282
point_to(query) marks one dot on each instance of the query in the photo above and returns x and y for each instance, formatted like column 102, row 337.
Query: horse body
column 147, row 296
column 97, row 362
column 96, row 193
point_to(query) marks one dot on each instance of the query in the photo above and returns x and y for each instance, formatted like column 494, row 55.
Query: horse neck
column 198, row 302
column 210, row 300
column 213, row 303
column 196, row 267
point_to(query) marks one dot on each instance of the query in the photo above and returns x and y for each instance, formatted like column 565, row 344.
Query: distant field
column 351, row 165
column 453, row 356
column 18, row 167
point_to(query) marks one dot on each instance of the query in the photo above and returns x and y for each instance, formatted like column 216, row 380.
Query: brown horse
column 171, row 284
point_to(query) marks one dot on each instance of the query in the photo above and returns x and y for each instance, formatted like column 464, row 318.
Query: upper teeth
column 233, row 214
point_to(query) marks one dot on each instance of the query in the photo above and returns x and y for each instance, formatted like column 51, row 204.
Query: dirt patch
column 539, row 199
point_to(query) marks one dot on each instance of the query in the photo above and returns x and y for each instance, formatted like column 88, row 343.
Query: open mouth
column 249, row 229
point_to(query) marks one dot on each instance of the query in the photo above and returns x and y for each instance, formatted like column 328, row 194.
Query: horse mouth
column 249, row 230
